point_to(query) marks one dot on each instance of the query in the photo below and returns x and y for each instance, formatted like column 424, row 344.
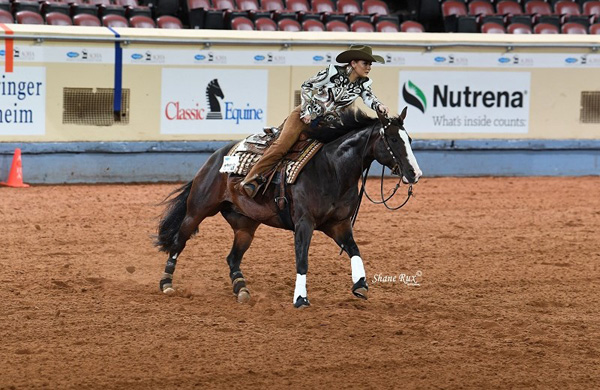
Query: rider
column 328, row 92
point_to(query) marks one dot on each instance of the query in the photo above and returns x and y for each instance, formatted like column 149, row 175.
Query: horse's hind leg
column 342, row 234
column 244, row 229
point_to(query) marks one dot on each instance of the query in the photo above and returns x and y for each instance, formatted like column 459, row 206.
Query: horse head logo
column 213, row 91
column 414, row 96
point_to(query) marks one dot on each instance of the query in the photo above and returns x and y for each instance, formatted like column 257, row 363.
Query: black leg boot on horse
column 292, row 128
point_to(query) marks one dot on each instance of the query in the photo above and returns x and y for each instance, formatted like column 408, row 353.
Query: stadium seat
column 573, row 28
column 595, row 29
column 47, row 6
column 541, row 13
column 140, row 21
column 337, row 26
column 545, row 28
column 6, row 17
column 412, row 26
column 198, row 11
column 132, row 8
column 114, row 21
column 454, row 14
column 387, row 27
column 348, row 7
column 298, row 6
column 518, row 28
column 265, row 24
column 241, row 23
column 492, row 28
column 323, row 6
column 28, row 17
column 86, row 20
column 379, row 11
column 168, row 21
column 484, row 11
column 592, row 9
column 512, row 12
column 165, row 7
column 289, row 25
column 58, row 19
column 570, row 12
column 361, row 26
column 272, row 5
column 312, row 25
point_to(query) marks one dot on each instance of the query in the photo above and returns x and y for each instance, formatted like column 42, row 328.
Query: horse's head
column 395, row 150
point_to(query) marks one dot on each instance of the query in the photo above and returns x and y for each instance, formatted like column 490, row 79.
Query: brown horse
column 324, row 198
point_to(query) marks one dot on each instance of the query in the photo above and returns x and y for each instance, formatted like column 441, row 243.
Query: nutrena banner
column 465, row 102
column 212, row 101
column 23, row 101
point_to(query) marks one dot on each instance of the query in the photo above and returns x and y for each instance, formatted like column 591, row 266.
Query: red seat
column 545, row 28
column 337, row 25
column 573, row 28
column 247, row 5
column 289, row 25
column 223, row 4
column 375, row 7
column 86, row 20
column 321, row 6
column 453, row 8
column 481, row 8
column 28, row 17
column 298, row 6
column 272, row 5
column 492, row 28
column 6, row 17
column 567, row 8
column 265, row 24
column 312, row 25
column 241, row 23
column 537, row 7
column 595, row 28
column 412, row 26
column 387, row 27
column 168, row 21
column 140, row 21
column 508, row 8
column 518, row 28
column 113, row 20
column 361, row 26
column 592, row 8
column 58, row 19
column 348, row 7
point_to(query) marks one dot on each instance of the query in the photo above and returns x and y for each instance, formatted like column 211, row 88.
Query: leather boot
column 251, row 185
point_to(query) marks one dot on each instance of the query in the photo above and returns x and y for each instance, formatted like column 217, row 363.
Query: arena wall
column 478, row 104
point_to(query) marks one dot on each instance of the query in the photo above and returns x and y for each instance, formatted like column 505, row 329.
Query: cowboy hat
column 359, row 52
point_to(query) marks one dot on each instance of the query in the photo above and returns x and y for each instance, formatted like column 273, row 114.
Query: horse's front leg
column 303, row 234
column 342, row 234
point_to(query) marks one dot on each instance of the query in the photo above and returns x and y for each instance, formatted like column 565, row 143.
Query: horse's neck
column 347, row 157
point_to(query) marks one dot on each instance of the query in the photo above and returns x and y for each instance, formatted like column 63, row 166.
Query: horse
column 324, row 197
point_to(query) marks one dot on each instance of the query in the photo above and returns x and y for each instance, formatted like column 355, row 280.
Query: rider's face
column 362, row 67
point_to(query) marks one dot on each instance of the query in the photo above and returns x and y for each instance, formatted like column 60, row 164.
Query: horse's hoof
column 169, row 291
column 361, row 289
column 301, row 302
column 243, row 295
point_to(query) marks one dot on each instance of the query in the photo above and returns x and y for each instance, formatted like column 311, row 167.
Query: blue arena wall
column 128, row 162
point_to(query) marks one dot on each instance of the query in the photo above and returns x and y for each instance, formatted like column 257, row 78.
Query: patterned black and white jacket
column 330, row 91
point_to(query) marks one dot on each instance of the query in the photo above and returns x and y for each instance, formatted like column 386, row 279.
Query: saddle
column 242, row 157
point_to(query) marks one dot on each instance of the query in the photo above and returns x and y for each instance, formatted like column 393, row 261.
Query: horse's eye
column 394, row 139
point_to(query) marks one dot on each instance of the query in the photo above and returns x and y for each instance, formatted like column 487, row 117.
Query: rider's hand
column 306, row 119
column 383, row 109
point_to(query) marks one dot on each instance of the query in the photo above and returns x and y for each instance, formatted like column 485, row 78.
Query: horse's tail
column 171, row 220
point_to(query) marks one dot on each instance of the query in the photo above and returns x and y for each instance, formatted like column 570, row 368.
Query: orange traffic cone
column 15, row 177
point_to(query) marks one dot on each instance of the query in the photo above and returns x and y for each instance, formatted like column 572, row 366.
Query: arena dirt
column 507, row 295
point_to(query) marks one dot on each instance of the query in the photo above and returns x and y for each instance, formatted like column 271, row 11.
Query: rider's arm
column 369, row 97
column 308, row 87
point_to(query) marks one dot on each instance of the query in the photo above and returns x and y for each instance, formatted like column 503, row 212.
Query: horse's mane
column 350, row 121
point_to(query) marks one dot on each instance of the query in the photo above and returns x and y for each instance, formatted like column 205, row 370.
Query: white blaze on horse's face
column 410, row 157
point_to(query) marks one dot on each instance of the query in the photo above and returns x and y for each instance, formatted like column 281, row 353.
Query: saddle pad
column 242, row 157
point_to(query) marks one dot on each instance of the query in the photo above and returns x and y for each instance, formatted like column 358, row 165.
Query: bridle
column 396, row 170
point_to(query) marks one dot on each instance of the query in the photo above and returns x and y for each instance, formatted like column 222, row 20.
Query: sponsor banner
column 26, row 54
column 23, row 101
column 465, row 102
column 80, row 55
column 195, row 101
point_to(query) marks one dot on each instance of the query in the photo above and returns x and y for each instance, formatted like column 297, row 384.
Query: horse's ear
column 403, row 113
